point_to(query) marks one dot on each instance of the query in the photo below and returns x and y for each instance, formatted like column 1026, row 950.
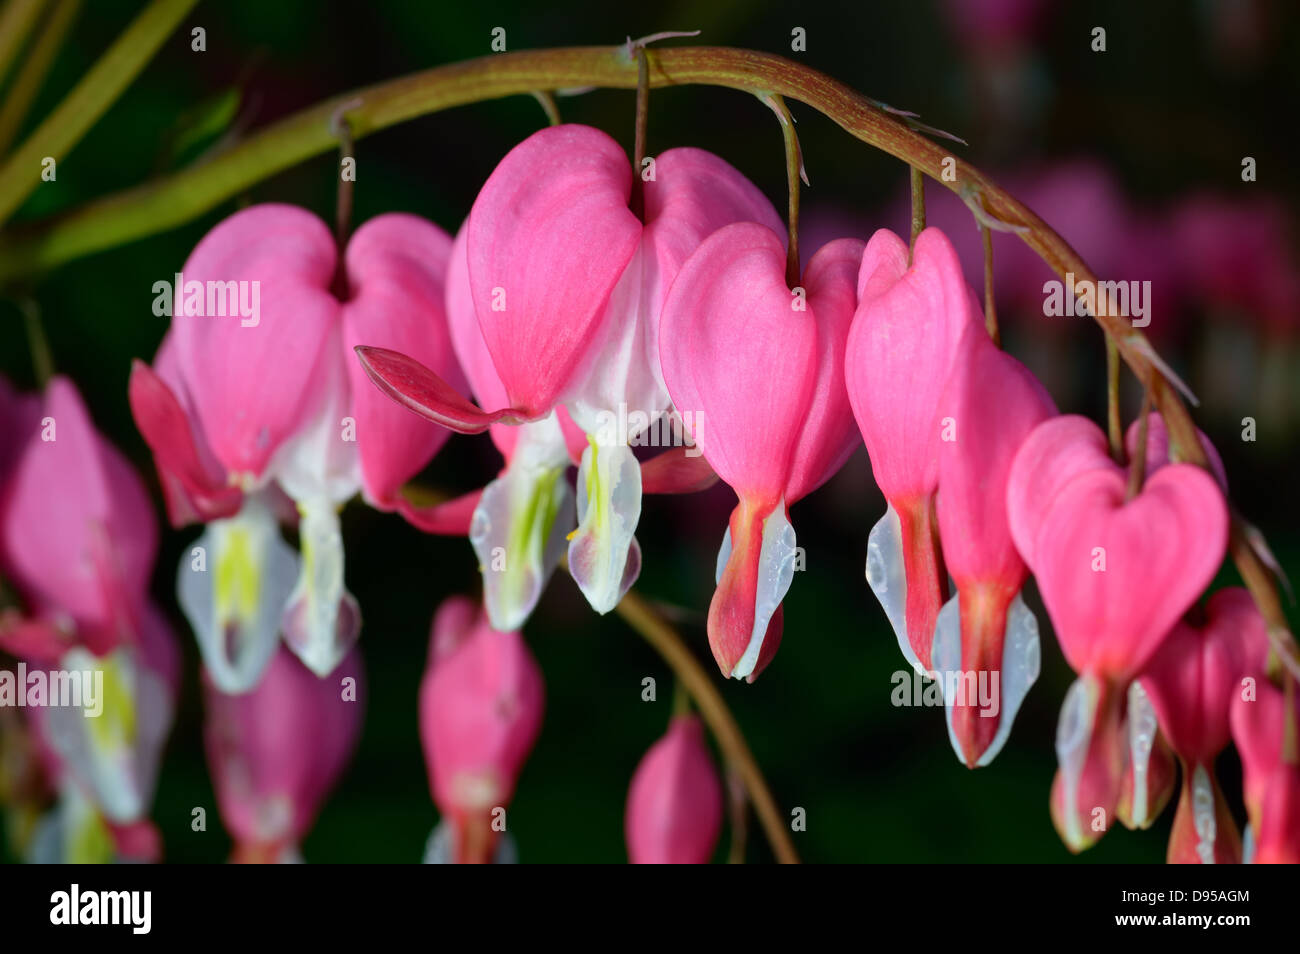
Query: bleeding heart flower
column 758, row 369
column 1115, row 575
column 674, row 805
column 1270, row 777
column 481, row 706
column 77, row 535
column 986, row 645
column 903, row 343
column 1191, row 681
column 276, row 751
column 567, row 285
column 226, row 411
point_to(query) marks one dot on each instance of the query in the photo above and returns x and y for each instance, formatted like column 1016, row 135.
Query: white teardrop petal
column 518, row 533
column 1203, row 814
column 321, row 621
column 776, row 563
column 1073, row 737
column 888, row 580
column 609, row 507
column 1000, row 694
column 1142, row 725
column 112, row 742
column 233, row 585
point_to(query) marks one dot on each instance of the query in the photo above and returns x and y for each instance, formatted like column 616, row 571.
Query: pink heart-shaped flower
column 1116, row 575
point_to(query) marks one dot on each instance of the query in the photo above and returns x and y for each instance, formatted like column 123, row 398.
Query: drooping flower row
column 557, row 310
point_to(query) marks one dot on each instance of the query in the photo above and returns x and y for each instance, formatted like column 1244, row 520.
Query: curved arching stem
column 178, row 198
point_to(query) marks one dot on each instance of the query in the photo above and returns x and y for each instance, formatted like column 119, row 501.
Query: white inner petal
column 1021, row 663
column 775, row 574
column 321, row 623
column 1203, row 814
column 1073, row 736
column 519, row 527
column 888, row 580
column 609, row 507
column 1142, row 724
column 115, row 754
column 232, row 585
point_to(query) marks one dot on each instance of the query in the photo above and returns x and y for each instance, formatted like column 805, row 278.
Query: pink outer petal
column 1257, row 722
column 34, row 639
column 674, row 805
column 252, row 386
column 900, row 349
column 1278, row 838
column 676, row 472
column 215, row 498
column 734, row 351
column 193, row 484
column 830, row 434
column 1158, row 447
column 694, row 194
column 471, row 350
column 450, row 518
column 1193, row 677
column 1161, row 549
column 77, row 532
column 397, row 266
column 1052, row 455
column 551, row 229
column 423, row 392
column 994, row 402
column 276, row 752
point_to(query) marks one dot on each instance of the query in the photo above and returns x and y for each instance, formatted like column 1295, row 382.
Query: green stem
column 343, row 198
column 1137, row 470
column 918, row 208
column 1114, row 428
column 31, row 75
column 16, row 22
column 171, row 201
column 98, row 90
column 547, row 102
column 793, row 173
column 639, row 133
column 990, row 307
column 42, row 362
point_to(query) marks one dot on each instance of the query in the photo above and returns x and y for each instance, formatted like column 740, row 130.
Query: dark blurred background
column 1133, row 154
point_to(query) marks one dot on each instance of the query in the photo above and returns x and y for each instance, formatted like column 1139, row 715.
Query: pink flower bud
column 674, row 805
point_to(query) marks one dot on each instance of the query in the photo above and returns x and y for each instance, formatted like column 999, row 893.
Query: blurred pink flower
column 481, row 703
column 277, row 751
